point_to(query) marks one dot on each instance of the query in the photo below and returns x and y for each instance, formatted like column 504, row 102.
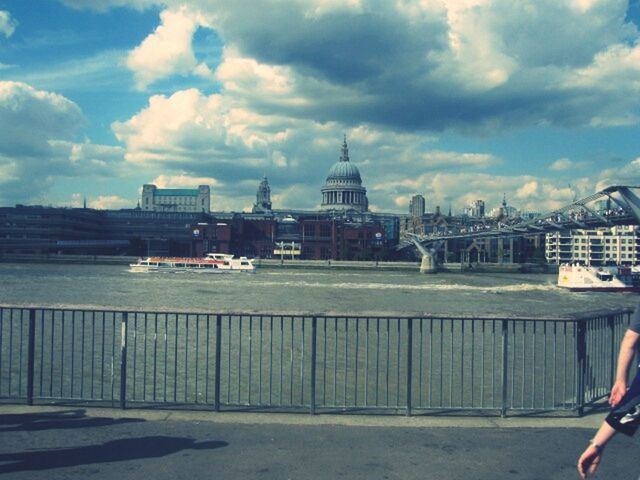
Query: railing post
column 581, row 353
column 123, row 360
column 314, row 334
column 31, row 355
column 612, row 367
column 216, row 389
column 505, row 359
column 409, row 363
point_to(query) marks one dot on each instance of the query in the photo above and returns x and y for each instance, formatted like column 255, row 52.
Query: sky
column 456, row 100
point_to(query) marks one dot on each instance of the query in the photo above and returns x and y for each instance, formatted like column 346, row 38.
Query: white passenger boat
column 580, row 278
column 211, row 263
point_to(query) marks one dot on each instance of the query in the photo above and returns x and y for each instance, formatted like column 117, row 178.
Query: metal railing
column 312, row 362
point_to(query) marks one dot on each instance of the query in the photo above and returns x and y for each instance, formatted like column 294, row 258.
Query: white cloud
column 37, row 147
column 110, row 202
column 183, row 128
column 7, row 23
column 440, row 159
column 168, row 50
column 183, row 181
column 564, row 164
column 561, row 164
column 529, row 189
column 524, row 192
column 472, row 65
column 627, row 174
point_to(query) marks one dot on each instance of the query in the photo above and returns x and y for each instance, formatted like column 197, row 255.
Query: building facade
column 156, row 199
column 417, row 206
column 343, row 188
column 477, row 209
column 601, row 246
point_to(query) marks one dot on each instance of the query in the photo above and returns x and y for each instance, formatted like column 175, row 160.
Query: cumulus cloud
column 628, row 174
column 474, row 65
column 565, row 164
column 110, row 202
column 7, row 24
column 101, row 202
column 168, row 50
column 524, row 192
column 183, row 181
column 36, row 143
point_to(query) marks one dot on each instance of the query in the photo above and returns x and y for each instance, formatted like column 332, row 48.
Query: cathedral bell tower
column 263, row 197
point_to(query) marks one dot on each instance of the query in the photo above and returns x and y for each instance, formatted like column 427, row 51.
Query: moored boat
column 211, row 263
column 580, row 278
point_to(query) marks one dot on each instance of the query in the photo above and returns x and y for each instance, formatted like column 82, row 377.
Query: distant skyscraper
column 263, row 197
column 343, row 188
column 176, row 199
column 477, row 209
column 417, row 206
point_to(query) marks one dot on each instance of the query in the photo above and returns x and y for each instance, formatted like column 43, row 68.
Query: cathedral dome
column 343, row 188
column 344, row 172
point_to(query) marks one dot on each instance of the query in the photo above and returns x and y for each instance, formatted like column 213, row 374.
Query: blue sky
column 456, row 100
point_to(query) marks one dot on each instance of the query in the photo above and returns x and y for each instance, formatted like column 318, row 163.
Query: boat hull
column 601, row 289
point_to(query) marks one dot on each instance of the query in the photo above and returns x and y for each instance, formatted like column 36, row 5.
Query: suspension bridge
column 614, row 205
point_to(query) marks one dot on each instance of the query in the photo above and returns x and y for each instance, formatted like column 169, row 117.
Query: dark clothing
column 625, row 418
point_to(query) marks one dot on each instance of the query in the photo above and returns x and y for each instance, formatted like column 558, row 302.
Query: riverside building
column 193, row 200
column 618, row 245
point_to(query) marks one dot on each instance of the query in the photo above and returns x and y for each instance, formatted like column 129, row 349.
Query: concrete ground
column 47, row 442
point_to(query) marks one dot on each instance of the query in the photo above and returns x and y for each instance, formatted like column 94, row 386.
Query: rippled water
column 297, row 290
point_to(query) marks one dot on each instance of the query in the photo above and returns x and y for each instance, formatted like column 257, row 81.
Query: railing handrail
column 572, row 317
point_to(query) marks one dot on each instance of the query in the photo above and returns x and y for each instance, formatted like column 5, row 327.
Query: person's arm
column 592, row 455
column 625, row 357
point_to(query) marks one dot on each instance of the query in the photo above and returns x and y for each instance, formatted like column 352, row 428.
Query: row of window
column 606, row 240
column 607, row 248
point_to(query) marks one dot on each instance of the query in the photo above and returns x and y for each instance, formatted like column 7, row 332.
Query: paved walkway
column 47, row 442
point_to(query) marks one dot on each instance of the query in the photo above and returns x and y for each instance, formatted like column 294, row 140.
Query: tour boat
column 211, row 263
column 580, row 278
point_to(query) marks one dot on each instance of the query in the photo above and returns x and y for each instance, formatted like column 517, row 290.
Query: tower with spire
column 263, row 197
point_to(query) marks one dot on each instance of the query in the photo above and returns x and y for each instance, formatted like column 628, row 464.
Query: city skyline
column 456, row 101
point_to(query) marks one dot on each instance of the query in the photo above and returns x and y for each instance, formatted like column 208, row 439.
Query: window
column 309, row 229
column 325, row 230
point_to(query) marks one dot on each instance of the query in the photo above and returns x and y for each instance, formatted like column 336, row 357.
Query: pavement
column 56, row 442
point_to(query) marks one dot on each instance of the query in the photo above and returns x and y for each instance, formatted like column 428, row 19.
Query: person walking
column 624, row 416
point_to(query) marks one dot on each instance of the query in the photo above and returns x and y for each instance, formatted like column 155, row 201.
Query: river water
column 283, row 290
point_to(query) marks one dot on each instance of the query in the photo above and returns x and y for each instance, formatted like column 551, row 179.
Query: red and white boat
column 580, row 278
column 211, row 263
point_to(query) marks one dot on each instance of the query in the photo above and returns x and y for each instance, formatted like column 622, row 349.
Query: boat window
column 604, row 276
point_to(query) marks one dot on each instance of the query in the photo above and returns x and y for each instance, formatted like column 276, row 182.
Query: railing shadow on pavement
column 112, row 451
column 64, row 419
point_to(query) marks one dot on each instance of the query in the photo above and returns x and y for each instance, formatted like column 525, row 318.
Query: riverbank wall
column 300, row 264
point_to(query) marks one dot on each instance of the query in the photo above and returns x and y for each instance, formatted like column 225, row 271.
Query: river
column 284, row 290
